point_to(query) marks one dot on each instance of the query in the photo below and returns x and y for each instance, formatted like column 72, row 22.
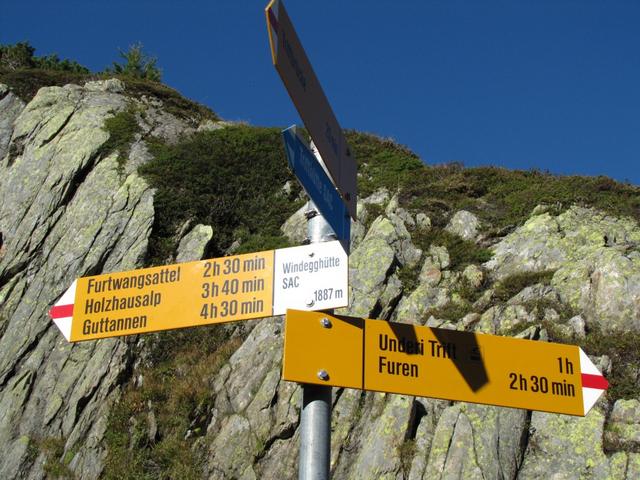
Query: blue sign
column 318, row 185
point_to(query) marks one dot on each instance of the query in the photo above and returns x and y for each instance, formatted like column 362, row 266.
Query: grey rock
column 381, row 457
column 212, row 126
column 464, row 224
column 194, row 244
column 287, row 188
column 365, row 208
column 393, row 232
column 469, row 320
column 625, row 465
column 473, row 441
column 68, row 212
column 533, row 293
column 412, row 309
column 595, row 256
column 504, row 319
column 254, row 409
column 111, row 85
column 534, row 247
column 439, row 257
column 157, row 122
column 232, row 449
column 369, row 266
column 295, row 227
column 633, row 466
column 138, row 155
column 343, row 430
column 61, row 129
column 152, row 432
column 423, row 222
column 358, row 233
column 379, row 197
column 623, row 428
column 561, row 446
column 407, row 253
column 474, row 276
column 577, row 325
column 394, row 209
column 390, row 296
column 10, row 108
column 430, row 411
column 605, row 286
column 485, row 300
column 539, row 210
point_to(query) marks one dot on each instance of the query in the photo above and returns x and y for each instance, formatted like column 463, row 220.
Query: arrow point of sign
column 64, row 325
column 62, row 312
column 593, row 382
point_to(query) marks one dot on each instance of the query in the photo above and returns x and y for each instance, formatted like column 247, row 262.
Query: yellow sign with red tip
column 433, row 362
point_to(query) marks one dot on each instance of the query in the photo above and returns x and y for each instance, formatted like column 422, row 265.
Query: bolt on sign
column 300, row 80
column 432, row 362
column 227, row 289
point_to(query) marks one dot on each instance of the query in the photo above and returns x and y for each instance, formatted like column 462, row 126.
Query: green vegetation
column 56, row 464
column 622, row 348
column 26, row 83
column 373, row 212
column 461, row 252
column 172, row 101
column 499, row 197
column 230, row 178
column 502, row 197
column 381, row 162
column 408, row 276
column 122, row 129
column 25, row 73
column 514, row 284
column 21, row 56
column 137, row 64
column 176, row 396
column 407, row 452
column 452, row 311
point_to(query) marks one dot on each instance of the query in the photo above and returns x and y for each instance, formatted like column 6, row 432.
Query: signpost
column 317, row 185
column 240, row 287
column 430, row 362
column 307, row 95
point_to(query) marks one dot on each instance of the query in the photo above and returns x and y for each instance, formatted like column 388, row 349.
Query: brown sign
column 307, row 95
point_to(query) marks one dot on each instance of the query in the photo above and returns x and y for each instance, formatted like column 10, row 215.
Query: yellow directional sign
column 239, row 287
column 430, row 362
column 307, row 95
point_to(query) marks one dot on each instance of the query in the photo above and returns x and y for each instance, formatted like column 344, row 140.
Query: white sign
column 311, row 277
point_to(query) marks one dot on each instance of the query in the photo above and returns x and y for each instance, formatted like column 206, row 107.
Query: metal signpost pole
column 315, row 418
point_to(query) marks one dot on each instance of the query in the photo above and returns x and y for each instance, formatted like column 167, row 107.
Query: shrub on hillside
column 22, row 56
column 137, row 64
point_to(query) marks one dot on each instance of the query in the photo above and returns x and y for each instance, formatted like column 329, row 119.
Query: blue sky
column 551, row 85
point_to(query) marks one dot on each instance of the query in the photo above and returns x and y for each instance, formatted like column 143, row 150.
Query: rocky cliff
column 73, row 203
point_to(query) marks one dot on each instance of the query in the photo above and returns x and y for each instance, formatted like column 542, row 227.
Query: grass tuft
column 122, row 128
column 231, row 179
column 176, row 387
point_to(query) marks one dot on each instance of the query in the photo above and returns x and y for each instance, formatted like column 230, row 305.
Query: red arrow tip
column 61, row 311
column 594, row 381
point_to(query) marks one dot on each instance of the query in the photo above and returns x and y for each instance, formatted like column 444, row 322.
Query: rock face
column 68, row 209
column 596, row 259
column 464, row 224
